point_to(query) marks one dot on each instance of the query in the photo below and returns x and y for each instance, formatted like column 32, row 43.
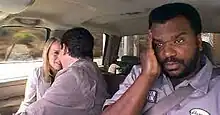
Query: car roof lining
column 120, row 17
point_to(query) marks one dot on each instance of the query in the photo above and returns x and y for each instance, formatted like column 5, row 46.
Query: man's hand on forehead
column 149, row 40
column 149, row 63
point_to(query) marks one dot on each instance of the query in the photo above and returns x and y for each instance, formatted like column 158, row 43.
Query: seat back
column 127, row 62
column 207, row 50
column 113, row 81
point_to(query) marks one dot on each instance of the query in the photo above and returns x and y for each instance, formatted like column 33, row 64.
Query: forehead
column 55, row 46
column 171, row 28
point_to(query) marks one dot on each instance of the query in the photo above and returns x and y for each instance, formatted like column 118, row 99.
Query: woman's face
column 53, row 55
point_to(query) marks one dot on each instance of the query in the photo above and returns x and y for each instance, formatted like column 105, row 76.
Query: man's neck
column 176, row 81
column 69, row 60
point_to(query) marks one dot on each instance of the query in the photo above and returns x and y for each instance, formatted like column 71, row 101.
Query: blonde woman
column 42, row 77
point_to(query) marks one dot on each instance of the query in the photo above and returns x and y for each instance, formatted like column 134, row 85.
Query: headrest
column 130, row 59
column 207, row 50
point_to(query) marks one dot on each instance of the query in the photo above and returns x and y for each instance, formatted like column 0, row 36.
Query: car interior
column 118, row 26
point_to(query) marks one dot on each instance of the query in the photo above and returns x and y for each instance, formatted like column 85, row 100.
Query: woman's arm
column 30, row 91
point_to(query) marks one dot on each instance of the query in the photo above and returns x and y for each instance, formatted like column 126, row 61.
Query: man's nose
column 169, row 51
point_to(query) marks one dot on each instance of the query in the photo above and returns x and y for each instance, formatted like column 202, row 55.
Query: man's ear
column 65, row 49
column 199, row 42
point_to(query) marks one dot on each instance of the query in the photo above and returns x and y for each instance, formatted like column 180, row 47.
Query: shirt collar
column 65, row 69
column 79, row 60
column 203, row 77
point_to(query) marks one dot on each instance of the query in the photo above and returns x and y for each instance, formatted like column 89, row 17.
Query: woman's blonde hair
column 48, row 71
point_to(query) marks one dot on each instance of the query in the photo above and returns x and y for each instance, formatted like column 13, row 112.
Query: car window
column 133, row 45
column 208, row 37
column 20, row 51
column 98, row 48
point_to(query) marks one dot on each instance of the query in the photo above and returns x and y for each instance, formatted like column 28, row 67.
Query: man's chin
column 173, row 73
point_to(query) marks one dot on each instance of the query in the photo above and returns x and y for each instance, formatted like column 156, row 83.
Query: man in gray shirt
column 172, row 64
column 79, row 88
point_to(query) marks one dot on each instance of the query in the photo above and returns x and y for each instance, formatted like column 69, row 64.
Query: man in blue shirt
column 171, row 67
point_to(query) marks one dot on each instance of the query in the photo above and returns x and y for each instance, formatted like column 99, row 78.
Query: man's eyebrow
column 176, row 36
column 180, row 34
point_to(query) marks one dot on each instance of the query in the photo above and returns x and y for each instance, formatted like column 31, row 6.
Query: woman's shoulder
column 37, row 72
column 38, row 69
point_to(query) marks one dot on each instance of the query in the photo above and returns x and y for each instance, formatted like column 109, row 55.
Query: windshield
column 20, row 51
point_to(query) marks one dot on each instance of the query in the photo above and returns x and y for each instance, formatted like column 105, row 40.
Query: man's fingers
column 149, row 40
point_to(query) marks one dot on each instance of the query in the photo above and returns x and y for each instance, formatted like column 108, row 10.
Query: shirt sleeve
column 30, row 91
column 129, row 80
column 72, row 92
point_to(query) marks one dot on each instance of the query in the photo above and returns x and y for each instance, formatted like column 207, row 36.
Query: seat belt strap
column 170, row 101
column 174, row 98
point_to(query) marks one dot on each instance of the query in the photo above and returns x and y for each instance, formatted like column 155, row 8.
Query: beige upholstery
column 13, row 94
column 216, row 49
column 113, row 81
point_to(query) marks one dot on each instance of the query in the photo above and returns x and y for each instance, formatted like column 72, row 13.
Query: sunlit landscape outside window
column 20, row 51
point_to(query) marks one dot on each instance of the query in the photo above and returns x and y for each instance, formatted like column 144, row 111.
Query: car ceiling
column 119, row 17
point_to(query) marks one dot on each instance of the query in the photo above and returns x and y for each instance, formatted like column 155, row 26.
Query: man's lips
column 170, row 66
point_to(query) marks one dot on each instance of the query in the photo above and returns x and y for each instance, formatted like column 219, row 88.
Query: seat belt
column 167, row 103
column 170, row 101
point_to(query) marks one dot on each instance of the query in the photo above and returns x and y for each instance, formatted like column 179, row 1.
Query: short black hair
column 79, row 42
column 166, row 12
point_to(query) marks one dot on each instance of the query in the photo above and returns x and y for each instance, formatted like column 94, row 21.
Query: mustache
column 172, row 59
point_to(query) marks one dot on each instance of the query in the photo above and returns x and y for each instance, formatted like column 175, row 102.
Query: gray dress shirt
column 205, row 100
column 77, row 90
